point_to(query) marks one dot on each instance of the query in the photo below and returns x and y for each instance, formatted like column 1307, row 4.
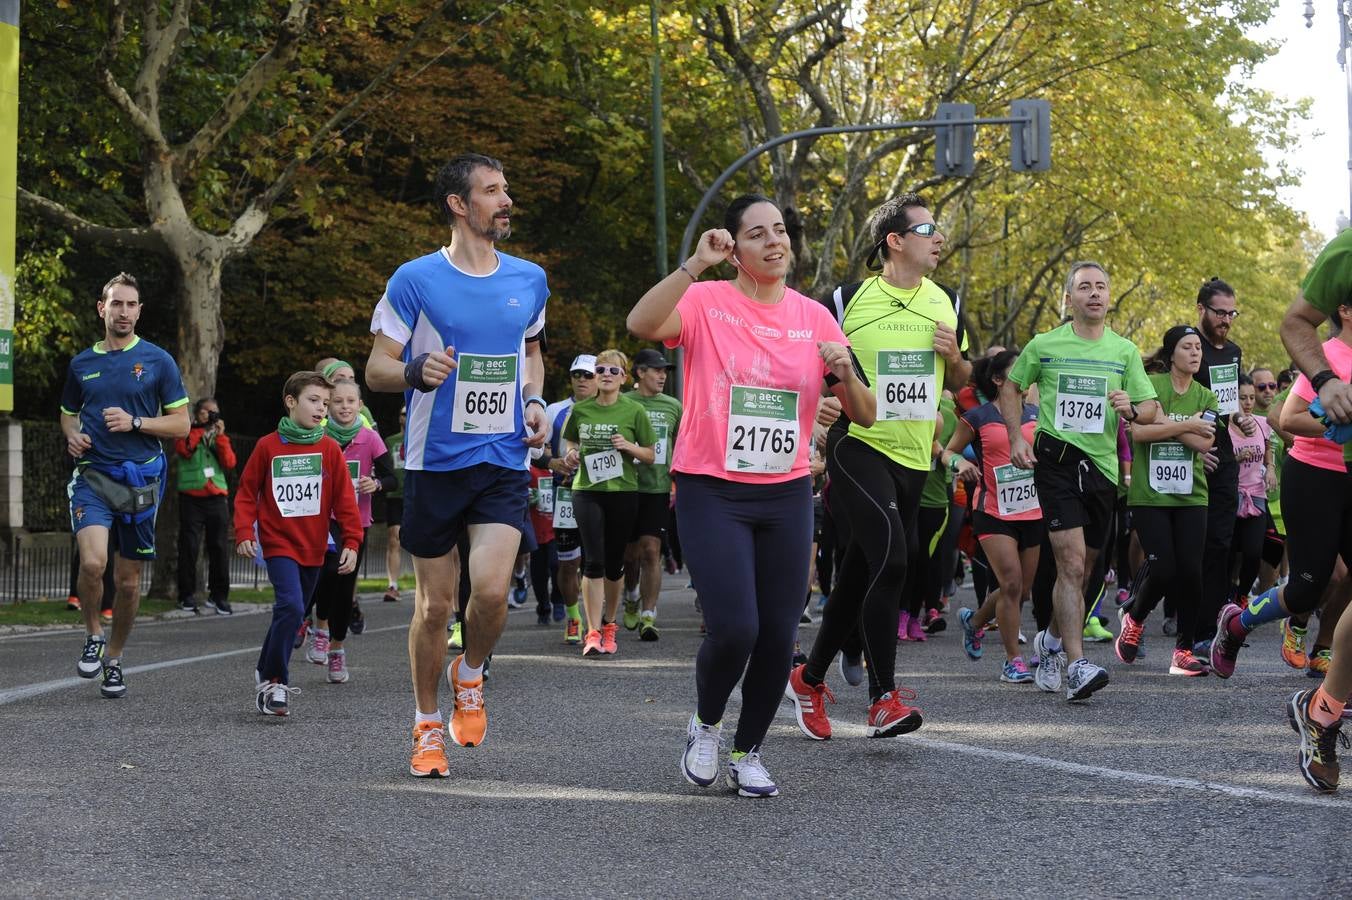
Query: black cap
column 1173, row 336
column 649, row 358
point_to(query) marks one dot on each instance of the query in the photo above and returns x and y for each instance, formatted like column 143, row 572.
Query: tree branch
column 161, row 45
column 262, row 74
column 255, row 215
column 82, row 229
column 148, row 127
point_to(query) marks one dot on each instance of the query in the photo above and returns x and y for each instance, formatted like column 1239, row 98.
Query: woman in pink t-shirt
column 756, row 356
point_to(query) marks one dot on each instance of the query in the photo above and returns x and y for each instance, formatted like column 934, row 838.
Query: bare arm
column 1301, row 339
column 77, row 442
column 1297, row 421
column 654, row 317
column 385, row 366
column 1275, row 419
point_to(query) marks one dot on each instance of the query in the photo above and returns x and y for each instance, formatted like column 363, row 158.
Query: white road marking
column 24, row 691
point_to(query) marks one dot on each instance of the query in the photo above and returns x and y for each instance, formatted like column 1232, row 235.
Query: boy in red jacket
column 295, row 480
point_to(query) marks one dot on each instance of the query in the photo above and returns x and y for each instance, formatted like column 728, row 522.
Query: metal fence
column 41, row 567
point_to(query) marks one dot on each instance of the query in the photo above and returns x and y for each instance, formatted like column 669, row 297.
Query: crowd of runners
column 858, row 435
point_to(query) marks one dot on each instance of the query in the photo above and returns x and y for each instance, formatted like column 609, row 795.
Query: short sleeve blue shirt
column 141, row 378
column 430, row 305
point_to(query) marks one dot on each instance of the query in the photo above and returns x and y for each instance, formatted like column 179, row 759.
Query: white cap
column 584, row 363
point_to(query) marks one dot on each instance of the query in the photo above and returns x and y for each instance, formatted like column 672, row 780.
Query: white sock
column 466, row 672
column 1053, row 643
column 649, row 614
column 427, row 717
column 324, row 632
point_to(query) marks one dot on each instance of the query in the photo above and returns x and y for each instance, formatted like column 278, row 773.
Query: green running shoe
column 456, row 640
column 1096, row 633
column 630, row 613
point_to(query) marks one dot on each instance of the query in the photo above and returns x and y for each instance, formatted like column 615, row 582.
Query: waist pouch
column 123, row 495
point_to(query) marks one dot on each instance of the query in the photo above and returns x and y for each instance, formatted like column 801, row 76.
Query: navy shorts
column 134, row 540
column 438, row 506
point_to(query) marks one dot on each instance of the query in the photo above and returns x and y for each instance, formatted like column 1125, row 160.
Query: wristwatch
column 135, row 423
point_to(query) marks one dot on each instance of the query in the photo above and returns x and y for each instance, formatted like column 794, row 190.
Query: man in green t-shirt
column 394, row 510
column 643, row 556
column 1087, row 376
column 1314, row 714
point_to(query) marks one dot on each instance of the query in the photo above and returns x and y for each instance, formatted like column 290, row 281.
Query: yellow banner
column 9, row 141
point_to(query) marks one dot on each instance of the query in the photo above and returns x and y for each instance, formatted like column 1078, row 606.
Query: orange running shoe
column 1293, row 645
column 592, row 645
column 469, row 722
column 72, row 602
column 608, row 634
column 572, row 632
column 429, row 751
column 106, row 615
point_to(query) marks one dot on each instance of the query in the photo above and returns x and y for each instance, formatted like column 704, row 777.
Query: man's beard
column 493, row 231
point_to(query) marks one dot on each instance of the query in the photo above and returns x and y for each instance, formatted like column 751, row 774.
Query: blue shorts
column 134, row 540
column 438, row 506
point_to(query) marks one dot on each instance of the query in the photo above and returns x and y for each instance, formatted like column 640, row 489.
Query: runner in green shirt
column 1168, row 499
column 1087, row 376
column 643, row 556
column 604, row 437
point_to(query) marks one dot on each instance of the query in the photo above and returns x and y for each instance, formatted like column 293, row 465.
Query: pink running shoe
column 904, row 626
column 915, row 630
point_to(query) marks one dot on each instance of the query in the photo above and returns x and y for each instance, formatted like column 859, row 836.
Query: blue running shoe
column 1016, row 672
column 971, row 637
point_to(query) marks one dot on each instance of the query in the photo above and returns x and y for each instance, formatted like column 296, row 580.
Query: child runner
column 368, row 465
column 756, row 355
column 604, row 437
column 295, row 479
column 1254, row 454
column 1006, row 517
column 1168, row 497
column 542, row 559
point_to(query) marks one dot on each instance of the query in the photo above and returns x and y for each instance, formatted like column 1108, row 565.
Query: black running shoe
column 1318, row 750
column 223, row 607
column 358, row 623
column 189, row 606
column 91, row 659
column 113, row 686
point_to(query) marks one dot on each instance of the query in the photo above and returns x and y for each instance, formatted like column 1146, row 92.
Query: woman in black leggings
column 756, row 356
column 604, row 436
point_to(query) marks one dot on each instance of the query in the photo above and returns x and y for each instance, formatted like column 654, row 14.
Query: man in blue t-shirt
column 122, row 396
column 460, row 332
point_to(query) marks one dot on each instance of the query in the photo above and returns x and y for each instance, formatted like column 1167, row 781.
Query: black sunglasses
column 581, row 374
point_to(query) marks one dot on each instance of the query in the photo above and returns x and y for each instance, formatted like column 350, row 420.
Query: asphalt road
column 1161, row 786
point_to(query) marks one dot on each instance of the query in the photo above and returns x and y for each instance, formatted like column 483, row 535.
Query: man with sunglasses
column 1265, row 385
column 1222, row 361
column 903, row 329
column 567, row 540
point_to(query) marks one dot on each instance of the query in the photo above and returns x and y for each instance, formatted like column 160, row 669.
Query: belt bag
column 123, row 499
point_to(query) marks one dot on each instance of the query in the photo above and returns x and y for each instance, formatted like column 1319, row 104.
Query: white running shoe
column 1049, row 665
column 1083, row 678
column 749, row 777
column 699, row 764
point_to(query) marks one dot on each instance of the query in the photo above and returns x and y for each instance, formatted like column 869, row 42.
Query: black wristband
column 413, row 373
column 1322, row 378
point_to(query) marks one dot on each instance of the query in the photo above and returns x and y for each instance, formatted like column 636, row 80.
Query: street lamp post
column 1345, row 63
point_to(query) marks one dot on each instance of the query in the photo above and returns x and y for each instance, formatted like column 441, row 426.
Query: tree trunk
column 199, row 258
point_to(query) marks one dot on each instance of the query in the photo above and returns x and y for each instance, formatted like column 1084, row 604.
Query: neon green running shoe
column 630, row 613
column 1096, row 633
column 456, row 640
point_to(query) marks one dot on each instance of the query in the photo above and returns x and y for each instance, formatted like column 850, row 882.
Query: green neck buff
column 343, row 434
column 295, row 434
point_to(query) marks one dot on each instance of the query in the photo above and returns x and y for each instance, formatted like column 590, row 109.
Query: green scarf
column 295, row 434
column 343, row 434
